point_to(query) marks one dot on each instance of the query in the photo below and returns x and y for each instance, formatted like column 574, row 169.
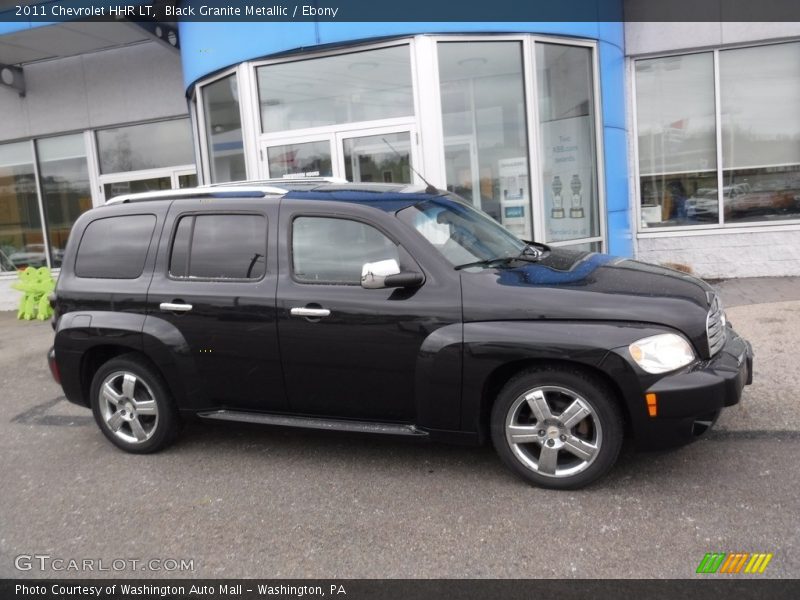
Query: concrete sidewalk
column 758, row 290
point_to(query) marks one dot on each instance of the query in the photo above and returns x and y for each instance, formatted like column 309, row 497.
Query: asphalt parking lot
column 243, row 501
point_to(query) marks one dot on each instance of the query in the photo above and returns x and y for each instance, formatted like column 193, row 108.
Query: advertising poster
column 568, row 178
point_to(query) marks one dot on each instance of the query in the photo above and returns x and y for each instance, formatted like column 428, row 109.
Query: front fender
column 504, row 347
column 438, row 379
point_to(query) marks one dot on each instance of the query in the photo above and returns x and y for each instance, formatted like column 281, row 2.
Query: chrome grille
column 715, row 326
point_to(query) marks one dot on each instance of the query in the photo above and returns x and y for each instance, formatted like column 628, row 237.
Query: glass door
column 378, row 156
column 462, row 168
column 298, row 157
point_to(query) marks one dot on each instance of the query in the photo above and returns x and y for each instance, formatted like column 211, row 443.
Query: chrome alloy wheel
column 553, row 431
column 128, row 407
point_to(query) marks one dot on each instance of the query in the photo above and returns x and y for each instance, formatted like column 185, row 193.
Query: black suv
column 382, row 309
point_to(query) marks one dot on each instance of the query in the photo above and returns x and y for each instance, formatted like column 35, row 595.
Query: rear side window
column 115, row 247
column 219, row 247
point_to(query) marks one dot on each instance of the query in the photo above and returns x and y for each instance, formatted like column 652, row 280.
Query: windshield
column 461, row 233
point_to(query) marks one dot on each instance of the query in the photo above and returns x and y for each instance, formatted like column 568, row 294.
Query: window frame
column 100, row 179
column 428, row 143
column 194, row 214
column 322, row 215
column 721, row 227
column 198, row 109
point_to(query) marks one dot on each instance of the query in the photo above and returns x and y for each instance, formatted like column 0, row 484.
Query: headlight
column 661, row 353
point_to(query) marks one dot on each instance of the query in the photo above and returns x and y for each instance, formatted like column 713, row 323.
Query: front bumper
column 689, row 402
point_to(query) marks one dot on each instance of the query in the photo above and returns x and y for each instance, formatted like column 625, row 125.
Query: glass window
column 220, row 247
column 329, row 250
column 64, row 177
column 188, row 180
column 136, row 186
column 677, row 140
column 145, row 146
column 115, row 247
column 179, row 255
column 310, row 159
column 485, row 129
column 378, row 158
column 224, row 130
column 21, row 237
column 760, row 112
column 361, row 86
column 568, row 145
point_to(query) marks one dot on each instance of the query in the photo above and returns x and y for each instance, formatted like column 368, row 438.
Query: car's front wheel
column 132, row 405
column 557, row 427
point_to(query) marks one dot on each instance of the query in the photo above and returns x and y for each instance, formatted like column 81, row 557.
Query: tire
column 132, row 405
column 557, row 427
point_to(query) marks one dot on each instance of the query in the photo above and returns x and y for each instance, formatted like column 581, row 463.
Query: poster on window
column 568, row 177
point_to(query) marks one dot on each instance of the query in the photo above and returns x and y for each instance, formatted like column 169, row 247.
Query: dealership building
column 669, row 142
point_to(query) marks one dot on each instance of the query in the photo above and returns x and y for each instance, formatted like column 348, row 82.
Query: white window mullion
column 249, row 114
column 40, row 198
column 718, row 123
column 429, row 111
column 93, row 166
column 537, row 208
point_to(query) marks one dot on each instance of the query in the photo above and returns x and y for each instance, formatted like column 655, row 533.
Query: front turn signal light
column 652, row 404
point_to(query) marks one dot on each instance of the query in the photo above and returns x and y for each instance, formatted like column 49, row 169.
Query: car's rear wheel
column 132, row 405
column 557, row 427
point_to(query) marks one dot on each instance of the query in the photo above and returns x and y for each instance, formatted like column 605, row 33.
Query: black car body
column 290, row 339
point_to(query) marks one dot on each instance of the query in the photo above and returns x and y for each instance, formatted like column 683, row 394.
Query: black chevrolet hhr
column 382, row 309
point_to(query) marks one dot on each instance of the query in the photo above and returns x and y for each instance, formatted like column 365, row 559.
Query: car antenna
column 431, row 189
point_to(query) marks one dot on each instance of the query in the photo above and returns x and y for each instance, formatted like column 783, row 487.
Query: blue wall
column 209, row 47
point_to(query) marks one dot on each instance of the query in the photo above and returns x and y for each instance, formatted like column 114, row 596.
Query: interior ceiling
column 66, row 39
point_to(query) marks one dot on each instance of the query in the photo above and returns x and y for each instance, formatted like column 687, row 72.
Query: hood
column 573, row 285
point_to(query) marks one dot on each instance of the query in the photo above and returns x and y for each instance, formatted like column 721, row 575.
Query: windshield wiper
column 501, row 260
column 534, row 249
column 532, row 252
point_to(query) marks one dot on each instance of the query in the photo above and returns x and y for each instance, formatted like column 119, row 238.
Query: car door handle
column 315, row 313
column 174, row 307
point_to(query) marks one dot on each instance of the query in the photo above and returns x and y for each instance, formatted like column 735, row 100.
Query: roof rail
column 276, row 181
column 199, row 192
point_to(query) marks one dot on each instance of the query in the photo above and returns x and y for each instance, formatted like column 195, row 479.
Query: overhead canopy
column 32, row 42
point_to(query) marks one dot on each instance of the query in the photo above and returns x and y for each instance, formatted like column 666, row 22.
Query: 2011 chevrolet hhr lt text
column 383, row 309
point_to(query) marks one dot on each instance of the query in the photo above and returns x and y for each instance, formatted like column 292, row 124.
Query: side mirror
column 386, row 274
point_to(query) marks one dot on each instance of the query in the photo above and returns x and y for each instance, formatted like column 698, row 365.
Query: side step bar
column 313, row 423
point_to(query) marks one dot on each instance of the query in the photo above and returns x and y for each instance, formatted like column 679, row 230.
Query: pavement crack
column 38, row 415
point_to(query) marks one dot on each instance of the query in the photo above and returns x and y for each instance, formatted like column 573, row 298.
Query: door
column 377, row 155
column 215, row 285
column 299, row 156
column 461, row 168
column 350, row 352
